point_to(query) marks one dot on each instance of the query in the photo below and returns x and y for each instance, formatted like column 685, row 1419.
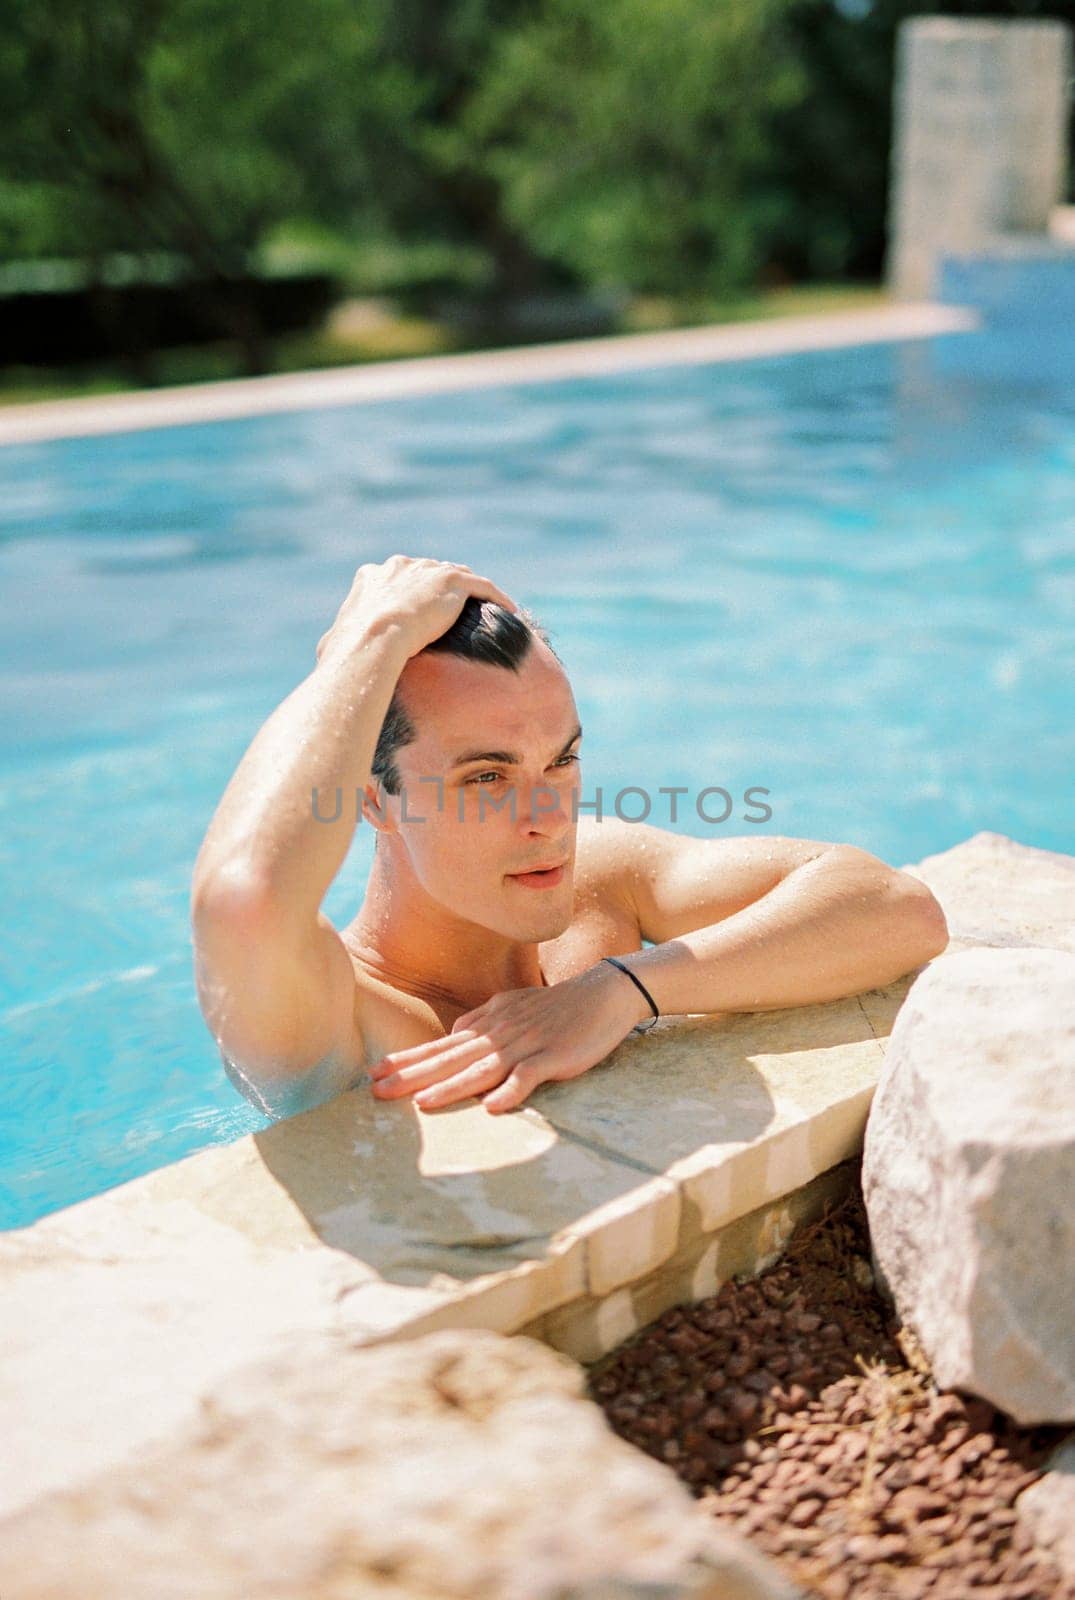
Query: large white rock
column 1047, row 1508
column 969, row 1175
column 458, row 1466
column 996, row 891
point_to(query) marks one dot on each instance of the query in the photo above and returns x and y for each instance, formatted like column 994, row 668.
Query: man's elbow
column 913, row 914
column 270, row 1020
column 286, row 1093
column 924, row 919
column 266, row 1096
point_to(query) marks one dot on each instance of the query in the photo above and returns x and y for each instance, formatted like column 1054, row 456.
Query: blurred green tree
column 831, row 149
column 190, row 126
column 447, row 48
column 632, row 142
column 689, row 147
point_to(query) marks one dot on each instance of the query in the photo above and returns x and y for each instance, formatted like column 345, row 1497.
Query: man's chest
column 602, row 925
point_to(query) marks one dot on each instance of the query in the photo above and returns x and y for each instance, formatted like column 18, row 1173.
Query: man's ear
column 375, row 808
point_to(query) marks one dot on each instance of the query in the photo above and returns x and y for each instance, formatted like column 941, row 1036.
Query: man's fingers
column 484, row 588
column 467, row 1024
column 465, row 1084
column 523, row 1078
column 445, row 1063
column 420, row 1052
column 457, row 1075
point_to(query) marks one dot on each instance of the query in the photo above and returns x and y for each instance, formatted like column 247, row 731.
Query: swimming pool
column 846, row 577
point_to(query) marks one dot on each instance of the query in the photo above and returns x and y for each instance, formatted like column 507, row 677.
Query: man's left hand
column 504, row 1048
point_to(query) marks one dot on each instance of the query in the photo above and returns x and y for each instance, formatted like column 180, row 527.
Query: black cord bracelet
column 639, row 1027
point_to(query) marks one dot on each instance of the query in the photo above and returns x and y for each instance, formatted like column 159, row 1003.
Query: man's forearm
column 836, row 926
column 264, row 834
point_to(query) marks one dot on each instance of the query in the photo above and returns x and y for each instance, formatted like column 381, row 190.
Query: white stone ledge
column 684, row 1157
column 377, row 1218
column 388, row 380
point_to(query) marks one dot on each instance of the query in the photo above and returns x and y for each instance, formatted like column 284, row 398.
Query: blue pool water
column 846, row 577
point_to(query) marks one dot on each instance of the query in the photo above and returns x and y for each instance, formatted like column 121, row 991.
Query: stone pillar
column 979, row 138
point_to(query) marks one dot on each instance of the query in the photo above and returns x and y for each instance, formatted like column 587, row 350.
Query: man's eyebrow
column 507, row 758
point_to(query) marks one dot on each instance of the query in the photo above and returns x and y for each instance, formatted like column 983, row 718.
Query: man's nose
column 542, row 806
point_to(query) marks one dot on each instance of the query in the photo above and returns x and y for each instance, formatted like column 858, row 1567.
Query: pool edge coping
column 369, row 382
column 211, row 1261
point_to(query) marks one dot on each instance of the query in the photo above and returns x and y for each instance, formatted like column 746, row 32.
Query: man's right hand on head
column 416, row 595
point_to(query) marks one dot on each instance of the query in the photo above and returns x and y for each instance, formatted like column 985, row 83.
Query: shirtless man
column 461, row 975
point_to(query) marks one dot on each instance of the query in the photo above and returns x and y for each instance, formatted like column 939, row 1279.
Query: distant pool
column 847, row 577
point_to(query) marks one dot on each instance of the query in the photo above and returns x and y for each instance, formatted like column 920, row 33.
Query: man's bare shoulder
column 614, row 850
column 674, row 882
column 609, row 852
column 606, row 839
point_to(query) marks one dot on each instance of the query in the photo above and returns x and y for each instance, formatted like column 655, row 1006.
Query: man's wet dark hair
column 483, row 631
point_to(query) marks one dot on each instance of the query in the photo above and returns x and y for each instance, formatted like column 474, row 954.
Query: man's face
column 489, row 818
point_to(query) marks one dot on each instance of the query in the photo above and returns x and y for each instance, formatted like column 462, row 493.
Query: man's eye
column 562, row 761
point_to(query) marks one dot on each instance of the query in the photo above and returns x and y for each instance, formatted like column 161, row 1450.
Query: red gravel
column 801, row 1415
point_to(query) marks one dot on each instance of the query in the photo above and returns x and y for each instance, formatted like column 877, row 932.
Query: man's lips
column 539, row 877
column 546, row 866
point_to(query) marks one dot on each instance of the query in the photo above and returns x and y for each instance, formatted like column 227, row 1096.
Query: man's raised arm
column 274, row 980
